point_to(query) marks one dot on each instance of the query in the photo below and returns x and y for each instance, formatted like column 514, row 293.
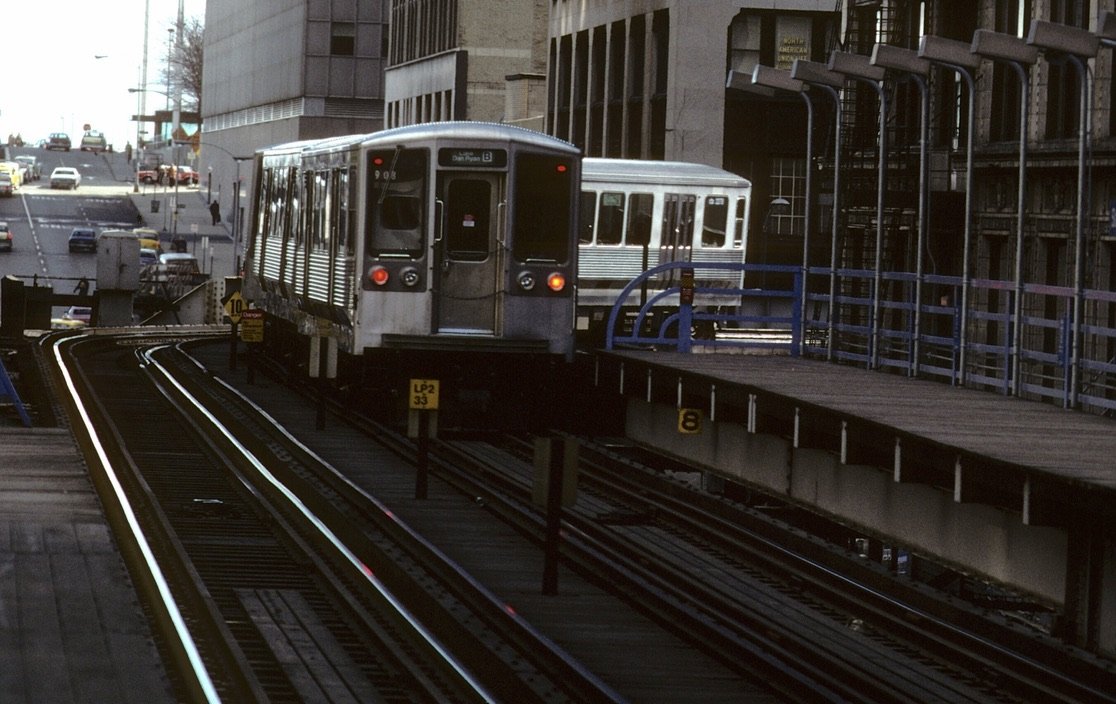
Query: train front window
column 396, row 193
column 714, row 221
column 542, row 203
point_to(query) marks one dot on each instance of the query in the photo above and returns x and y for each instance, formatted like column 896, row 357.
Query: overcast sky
column 52, row 79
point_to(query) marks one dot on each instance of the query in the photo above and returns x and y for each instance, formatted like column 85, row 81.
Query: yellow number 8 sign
column 689, row 421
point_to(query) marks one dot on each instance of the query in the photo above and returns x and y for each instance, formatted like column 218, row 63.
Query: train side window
column 588, row 215
column 741, row 219
column 542, row 207
column 610, row 223
column 640, row 207
column 714, row 221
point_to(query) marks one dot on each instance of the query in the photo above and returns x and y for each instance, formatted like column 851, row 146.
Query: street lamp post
column 907, row 62
column 959, row 57
column 1075, row 45
column 859, row 68
column 1010, row 49
column 781, row 80
column 818, row 75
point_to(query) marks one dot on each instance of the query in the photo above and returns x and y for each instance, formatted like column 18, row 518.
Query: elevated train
column 637, row 214
column 444, row 251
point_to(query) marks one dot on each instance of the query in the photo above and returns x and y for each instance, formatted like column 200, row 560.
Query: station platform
column 71, row 626
column 1019, row 492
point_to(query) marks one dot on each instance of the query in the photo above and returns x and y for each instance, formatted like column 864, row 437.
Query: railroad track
column 841, row 623
column 822, row 633
column 270, row 578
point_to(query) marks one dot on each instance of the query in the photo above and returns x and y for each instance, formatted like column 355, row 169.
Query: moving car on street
column 65, row 177
column 93, row 141
column 83, row 239
column 59, row 141
column 6, row 237
column 7, row 187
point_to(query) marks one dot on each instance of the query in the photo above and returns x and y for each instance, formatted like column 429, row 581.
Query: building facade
column 282, row 70
column 453, row 60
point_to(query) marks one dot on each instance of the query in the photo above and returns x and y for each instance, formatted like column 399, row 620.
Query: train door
column 468, row 253
column 676, row 243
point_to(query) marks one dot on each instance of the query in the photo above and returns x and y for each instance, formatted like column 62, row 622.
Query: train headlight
column 526, row 281
column 409, row 276
column 556, row 281
column 378, row 275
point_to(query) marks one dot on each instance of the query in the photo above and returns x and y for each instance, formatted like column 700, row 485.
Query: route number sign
column 424, row 394
column 235, row 306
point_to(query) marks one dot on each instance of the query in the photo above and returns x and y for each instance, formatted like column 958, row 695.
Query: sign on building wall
column 792, row 41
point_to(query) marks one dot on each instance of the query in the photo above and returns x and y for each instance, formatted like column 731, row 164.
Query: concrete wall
column 975, row 538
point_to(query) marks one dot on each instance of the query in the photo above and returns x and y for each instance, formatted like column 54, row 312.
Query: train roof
column 659, row 172
column 428, row 131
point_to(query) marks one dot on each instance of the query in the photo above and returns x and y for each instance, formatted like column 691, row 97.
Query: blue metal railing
column 736, row 313
column 916, row 328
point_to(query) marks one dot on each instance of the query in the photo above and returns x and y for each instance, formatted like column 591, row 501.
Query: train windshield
column 396, row 193
column 543, row 203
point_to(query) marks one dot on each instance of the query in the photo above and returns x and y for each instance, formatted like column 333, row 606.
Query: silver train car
column 638, row 214
column 436, row 249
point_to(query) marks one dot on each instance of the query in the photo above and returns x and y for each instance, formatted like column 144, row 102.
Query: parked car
column 65, row 177
column 93, row 141
column 180, row 261
column 164, row 173
column 7, row 187
column 186, row 175
column 13, row 169
column 148, row 238
column 59, row 141
column 31, row 169
column 83, row 239
column 74, row 317
column 6, row 237
column 148, row 256
column 82, row 313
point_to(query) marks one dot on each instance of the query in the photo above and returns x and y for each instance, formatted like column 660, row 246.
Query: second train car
column 637, row 214
column 445, row 251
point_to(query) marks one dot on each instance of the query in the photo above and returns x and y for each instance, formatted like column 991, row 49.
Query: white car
column 65, row 177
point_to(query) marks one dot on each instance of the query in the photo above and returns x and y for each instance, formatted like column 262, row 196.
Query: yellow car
column 15, row 169
column 148, row 238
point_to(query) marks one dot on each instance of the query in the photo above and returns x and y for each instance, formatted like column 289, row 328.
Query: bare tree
column 184, row 66
column 191, row 58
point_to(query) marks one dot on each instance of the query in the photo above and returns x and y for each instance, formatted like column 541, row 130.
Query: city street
column 41, row 219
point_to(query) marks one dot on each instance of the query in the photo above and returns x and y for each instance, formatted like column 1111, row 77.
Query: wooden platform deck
column 1073, row 446
column 71, row 628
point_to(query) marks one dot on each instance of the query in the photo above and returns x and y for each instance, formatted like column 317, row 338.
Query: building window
column 342, row 41
column 788, row 181
column 1063, row 95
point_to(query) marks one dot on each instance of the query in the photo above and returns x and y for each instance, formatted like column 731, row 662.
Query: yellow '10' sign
column 424, row 395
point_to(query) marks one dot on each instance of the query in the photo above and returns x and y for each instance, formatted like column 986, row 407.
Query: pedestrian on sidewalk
column 215, row 211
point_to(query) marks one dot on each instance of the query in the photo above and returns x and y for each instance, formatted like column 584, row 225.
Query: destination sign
column 482, row 158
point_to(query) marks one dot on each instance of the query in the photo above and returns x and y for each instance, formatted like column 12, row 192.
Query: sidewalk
column 191, row 220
